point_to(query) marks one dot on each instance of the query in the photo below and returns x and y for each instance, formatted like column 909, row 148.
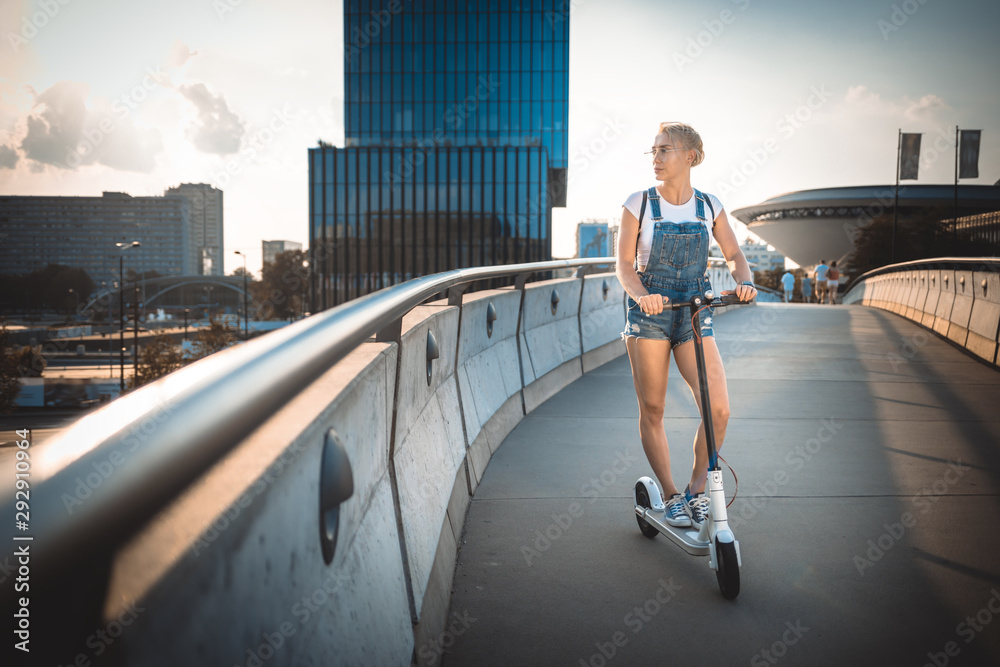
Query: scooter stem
column 706, row 404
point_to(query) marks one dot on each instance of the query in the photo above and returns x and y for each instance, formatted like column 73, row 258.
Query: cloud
column 8, row 157
column 64, row 133
column 926, row 106
column 217, row 130
column 180, row 53
column 861, row 98
column 55, row 130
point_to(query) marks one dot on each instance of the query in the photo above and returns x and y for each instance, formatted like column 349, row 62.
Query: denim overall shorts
column 677, row 268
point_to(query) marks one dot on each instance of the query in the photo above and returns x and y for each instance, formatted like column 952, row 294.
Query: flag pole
column 954, row 217
column 895, row 206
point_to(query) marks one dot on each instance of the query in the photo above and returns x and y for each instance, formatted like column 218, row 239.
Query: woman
column 833, row 281
column 661, row 258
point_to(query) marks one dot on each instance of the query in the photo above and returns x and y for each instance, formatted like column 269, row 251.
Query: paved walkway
column 868, row 455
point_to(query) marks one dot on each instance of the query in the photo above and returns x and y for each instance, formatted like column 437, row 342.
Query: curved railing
column 159, row 438
column 956, row 297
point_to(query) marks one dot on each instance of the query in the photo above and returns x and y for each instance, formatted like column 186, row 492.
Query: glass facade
column 456, row 142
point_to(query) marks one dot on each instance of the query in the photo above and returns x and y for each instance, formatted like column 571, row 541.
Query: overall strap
column 704, row 199
column 642, row 212
column 654, row 201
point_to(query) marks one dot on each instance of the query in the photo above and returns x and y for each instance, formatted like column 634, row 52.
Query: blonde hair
column 687, row 137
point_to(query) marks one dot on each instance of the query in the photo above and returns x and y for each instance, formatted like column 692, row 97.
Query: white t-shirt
column 686, row 212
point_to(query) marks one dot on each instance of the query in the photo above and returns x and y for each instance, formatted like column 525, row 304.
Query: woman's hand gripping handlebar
column 709, row 299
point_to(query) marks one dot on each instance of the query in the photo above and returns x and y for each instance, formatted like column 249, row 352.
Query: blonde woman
column 663, row 246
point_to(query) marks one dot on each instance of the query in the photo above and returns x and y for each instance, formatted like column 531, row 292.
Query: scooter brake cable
column 736, row 479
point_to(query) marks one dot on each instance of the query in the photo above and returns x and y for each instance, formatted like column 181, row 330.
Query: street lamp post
column 246, row 312
column 77, row 295
column 121, row 307
column 186, row 312
column 135, row 329
column 111, row 333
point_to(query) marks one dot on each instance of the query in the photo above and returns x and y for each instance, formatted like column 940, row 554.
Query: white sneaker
column 676, row 513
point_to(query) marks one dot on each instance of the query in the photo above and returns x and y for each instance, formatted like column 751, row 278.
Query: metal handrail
column 96, row 482
column 929, row 263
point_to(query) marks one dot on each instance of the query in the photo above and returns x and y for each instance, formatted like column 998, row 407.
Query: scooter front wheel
column 642, row 500
column 727, row 569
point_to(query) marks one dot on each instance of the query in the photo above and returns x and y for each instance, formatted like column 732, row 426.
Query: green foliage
column 157, row 359
column 164, row 356
column 10, row 381
column 284, row 286
column 28, row 361
column 217, row 336
column 46, row 288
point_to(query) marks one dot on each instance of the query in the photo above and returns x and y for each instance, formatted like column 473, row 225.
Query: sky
column 108, row 95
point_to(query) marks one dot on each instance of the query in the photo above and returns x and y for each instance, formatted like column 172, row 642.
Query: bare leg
column 718, row 394
column 650, row 361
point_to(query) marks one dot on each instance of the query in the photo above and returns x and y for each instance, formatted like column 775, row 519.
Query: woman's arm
column 735, row 259
column 628, row 235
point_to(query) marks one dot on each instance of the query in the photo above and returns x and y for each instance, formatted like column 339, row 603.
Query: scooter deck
column 686, row 538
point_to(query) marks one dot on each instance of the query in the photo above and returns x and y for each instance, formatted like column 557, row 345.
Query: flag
column 910, row 158
column 968, row 154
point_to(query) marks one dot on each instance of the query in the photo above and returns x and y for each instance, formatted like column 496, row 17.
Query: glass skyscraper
column 455, row 142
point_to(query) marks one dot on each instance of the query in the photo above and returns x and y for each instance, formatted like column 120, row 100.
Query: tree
column 50, row 287
column 10, row 381
column 157, row 359
column 217, row 336
column 284, row 286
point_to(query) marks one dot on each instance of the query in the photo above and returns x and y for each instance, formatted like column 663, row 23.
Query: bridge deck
column 869, row 471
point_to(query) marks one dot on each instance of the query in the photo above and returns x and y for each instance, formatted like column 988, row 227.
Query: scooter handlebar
column 723, row 300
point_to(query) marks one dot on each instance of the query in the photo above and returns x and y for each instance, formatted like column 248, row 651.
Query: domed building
column 811, row 225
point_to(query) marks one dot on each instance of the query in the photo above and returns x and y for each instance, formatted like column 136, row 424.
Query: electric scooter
column 715, row 538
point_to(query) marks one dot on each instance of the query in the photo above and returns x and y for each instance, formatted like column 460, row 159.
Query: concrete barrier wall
column 942, row 314
column 550, row 339
column 933, row 296
column 984, row 320
column 602, row 319
column 232, row 572
column 962, row 305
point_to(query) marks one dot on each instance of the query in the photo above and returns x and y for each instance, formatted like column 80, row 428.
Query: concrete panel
column 551, row 345
column 933, row 295
column 438, row 597
column 602, row 316
column 549, row 340
column 962, row 309
column 919, row 296
column 414, row 391
column 537, row 302
column 426, row 462
column 474, row 338
column 599, row 327
column 486, row 381
column 946, row 300
column 984, row 321
column 242, row 544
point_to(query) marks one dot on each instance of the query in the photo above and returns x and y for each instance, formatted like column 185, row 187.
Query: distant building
column 810, row 225
column 205, row 232
column 761, row 258
column 270, row 249
column 81, row 232
column 593, row 239
column 456, row 144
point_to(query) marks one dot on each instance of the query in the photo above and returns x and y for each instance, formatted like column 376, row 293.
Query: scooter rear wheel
column 642, row 499
column 727, row 569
